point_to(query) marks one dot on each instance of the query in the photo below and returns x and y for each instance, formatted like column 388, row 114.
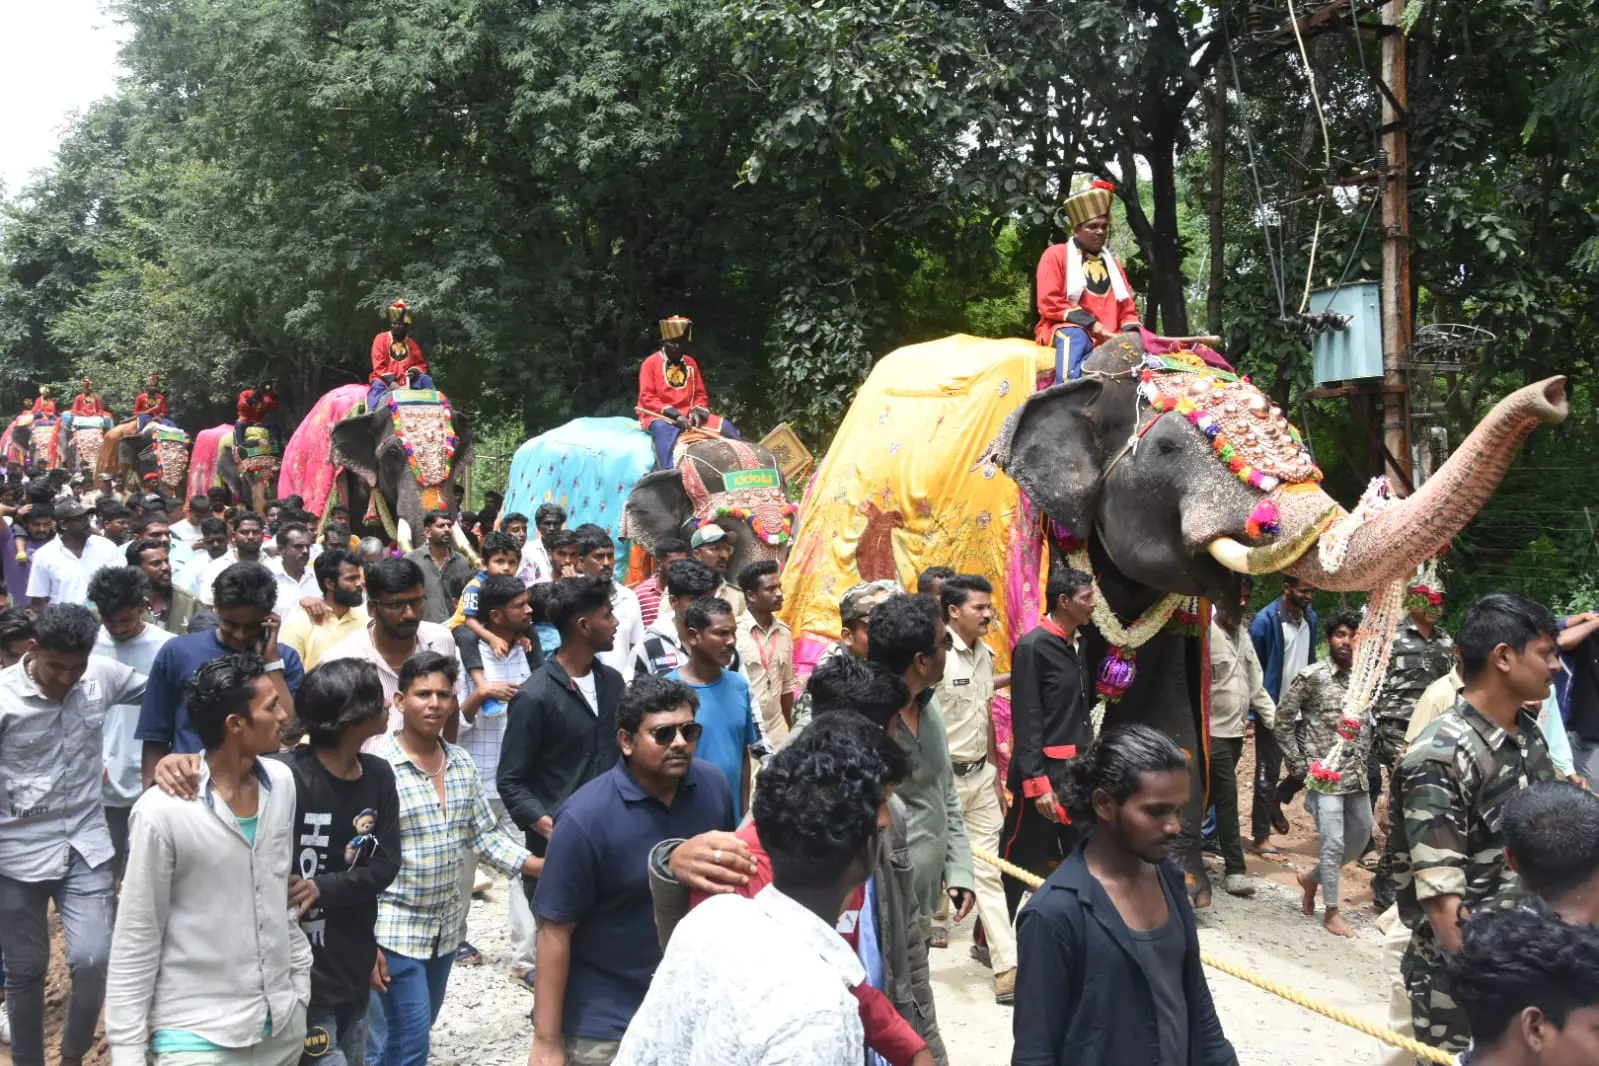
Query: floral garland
column 1373, row 643
column 775, row 537
column 451, row 440
column 1334, row 543
column 1120, row 666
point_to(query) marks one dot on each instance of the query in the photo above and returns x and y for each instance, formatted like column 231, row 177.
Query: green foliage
column 815, row 182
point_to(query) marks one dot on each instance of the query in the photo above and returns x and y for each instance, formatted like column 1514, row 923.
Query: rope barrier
column 1388, row 1036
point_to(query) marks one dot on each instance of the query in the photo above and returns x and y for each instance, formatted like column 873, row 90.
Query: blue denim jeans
column 401, row 1019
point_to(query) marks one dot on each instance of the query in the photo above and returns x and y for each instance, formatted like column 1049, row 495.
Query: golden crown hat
column 677, row 328
column 45, row 390
column 399, row 311
column 1089, row 203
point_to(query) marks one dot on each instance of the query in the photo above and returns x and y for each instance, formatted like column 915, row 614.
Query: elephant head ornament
column 157, row 455
column 409, row 451
column 1184, row 477
column 733, row 484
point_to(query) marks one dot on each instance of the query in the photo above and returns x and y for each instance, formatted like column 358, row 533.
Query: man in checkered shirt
column 420, row 914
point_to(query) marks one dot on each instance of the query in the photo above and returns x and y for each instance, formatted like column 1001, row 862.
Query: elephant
column 254, row 479
column 414, row 470
column 24, row 439
column 736, row 485
column 159, row 455
column 1162, row 513
column 80, row 447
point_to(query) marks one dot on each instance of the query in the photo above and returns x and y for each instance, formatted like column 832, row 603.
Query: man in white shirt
column 596, row 557
column 716, row 1002
column 395, row 594
column 188, row 530
column 210, row 545
column 298, row 590
column 53, row 838
column 199, row 867
column 62, row 568
column 1237, row 690
column 504, row 612
column 247, row 532
column 121, row 596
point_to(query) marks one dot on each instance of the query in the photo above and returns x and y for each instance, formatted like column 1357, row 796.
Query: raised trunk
column 1396, row 540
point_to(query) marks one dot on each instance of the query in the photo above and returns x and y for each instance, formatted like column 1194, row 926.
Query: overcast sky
column 57, row 57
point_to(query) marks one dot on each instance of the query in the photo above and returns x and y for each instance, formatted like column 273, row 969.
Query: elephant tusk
column 1231, row 554
column 1270, row 558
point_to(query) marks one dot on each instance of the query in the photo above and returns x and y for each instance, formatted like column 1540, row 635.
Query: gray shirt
column 50, row 760
column 1161, row 952
column 205, row 940
column 1299, row 640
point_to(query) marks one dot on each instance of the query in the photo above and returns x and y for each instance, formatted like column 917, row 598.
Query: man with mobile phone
column 245, row 594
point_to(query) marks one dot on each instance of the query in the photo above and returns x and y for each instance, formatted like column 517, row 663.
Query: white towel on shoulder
column 1077, row 281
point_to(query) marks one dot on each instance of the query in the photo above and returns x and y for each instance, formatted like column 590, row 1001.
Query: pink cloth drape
column 308, row 468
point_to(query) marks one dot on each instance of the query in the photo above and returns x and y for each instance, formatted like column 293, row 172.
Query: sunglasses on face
column 663, row 734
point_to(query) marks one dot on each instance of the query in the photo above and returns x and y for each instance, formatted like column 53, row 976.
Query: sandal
column 938, row 938
column 467, row 955
column 1370, row 860
column 1267, row 852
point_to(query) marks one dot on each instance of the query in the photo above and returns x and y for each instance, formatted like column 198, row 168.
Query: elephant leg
column 1160, row 698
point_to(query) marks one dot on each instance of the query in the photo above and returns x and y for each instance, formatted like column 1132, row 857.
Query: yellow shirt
column 313, row 641
column 1438, row 698
column 965, row 696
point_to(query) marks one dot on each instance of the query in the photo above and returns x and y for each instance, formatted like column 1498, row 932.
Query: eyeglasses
column 399, row 605
column 664, row 734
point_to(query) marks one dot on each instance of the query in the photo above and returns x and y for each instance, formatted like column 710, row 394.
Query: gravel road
column 484, row 1022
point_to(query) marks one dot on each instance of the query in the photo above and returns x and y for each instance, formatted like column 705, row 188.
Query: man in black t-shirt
column 347, row 849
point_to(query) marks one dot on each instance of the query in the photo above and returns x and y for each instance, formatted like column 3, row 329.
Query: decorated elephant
column 402, row 460
column 158, row 456
column 736, row 485
column 35, row 442
column 1169, row 478
column 81, row 444
column 252, row 477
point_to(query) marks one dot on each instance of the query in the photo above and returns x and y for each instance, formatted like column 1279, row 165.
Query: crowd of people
column 256, row 768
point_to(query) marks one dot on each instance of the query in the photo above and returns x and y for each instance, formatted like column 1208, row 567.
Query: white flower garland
column 1144, row 627
column 1374, row 641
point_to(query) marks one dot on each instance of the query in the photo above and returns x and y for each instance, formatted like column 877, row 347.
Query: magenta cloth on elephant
column 308, row 469
column 203, row 460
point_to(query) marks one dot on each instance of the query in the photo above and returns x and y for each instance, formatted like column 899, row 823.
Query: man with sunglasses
column 395, row 601
column 597, row 946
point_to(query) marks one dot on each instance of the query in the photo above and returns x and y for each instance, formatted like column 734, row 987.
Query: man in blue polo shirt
column 245, row 594
column 597, row 945
column 726, row 712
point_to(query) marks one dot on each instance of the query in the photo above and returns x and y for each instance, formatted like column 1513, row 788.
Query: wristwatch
column 274, row 667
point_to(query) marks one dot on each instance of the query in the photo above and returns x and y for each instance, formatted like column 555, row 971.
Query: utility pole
column 1396, row 309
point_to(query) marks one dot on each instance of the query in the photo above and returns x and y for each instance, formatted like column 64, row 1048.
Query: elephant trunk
column 1397, row 539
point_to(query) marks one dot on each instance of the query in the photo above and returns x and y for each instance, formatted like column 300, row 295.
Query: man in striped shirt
column 652, row 590
column 420, row 914
column 503, row 612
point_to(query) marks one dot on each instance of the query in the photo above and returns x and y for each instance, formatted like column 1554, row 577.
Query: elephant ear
column 356, row 441
column 465, row 444
column 1053, row 446
column 657, row 493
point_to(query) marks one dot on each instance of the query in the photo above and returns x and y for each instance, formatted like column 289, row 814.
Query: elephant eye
column 1167, row 446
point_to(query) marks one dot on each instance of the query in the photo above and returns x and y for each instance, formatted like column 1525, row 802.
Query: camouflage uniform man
column 1452, row 785
column 1421, row 654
